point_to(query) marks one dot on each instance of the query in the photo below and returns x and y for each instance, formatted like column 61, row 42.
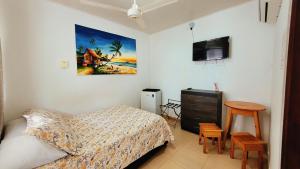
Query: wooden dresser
column 200, row 106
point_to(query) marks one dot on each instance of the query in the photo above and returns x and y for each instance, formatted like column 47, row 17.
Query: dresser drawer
column 198, row 112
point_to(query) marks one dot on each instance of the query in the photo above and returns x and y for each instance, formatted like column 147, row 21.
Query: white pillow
column 20, row 151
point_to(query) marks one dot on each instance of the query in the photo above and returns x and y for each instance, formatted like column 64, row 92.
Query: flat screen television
column 215, row 49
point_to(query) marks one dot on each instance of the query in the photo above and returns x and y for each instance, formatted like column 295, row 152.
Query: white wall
column 278, row 83
column 1, row 34
column 1, row 20
column 41, row 33
column 1, row 17
column 245, row 76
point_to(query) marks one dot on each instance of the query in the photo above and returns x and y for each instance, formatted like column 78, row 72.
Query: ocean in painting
column 100, row 52
column 124, row 64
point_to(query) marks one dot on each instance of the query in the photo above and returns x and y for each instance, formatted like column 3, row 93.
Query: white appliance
column 151, row 100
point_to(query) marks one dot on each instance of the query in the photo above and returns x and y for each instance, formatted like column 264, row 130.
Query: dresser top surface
column 245, row 106
column 201, row 91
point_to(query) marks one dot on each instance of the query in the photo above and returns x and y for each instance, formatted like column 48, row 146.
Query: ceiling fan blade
column 102, row 5
column 141, row 22
column 158, row 4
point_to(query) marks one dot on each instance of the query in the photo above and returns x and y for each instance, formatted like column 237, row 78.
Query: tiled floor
column 186, row 153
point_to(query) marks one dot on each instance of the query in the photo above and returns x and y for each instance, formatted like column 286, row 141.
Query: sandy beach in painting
column 108, row 70
column 117, row 66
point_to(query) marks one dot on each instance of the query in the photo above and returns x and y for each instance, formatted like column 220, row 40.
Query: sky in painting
column 103, row 41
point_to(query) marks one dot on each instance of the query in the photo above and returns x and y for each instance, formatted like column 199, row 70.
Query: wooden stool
column 247, row 142
column 210, row 130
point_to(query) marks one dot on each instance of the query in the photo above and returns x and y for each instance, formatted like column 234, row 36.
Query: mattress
column 113, row 138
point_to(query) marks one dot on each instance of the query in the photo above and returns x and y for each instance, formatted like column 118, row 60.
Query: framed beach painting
column 100, row 52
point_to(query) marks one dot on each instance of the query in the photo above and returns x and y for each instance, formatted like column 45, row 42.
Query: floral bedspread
column 114, row 138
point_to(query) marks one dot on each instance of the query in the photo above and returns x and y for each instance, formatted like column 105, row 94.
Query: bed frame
column 136, row 164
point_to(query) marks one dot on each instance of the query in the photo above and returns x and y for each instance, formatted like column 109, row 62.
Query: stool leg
column 260, row 160
column 244, row 161
column 200, row 135
column 200, row 138
column 204, row 145
column 232, row 150
column 219, row 145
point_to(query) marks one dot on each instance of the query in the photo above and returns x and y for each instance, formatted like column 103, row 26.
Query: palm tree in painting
column 80, row 49
column 106, row 57
column 115, row 48
column 98, row 52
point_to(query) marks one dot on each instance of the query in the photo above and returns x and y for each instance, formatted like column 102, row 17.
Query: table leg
column 232, row 149
column 260, row 159
column 228, row 126
column 244, row 160
column 257, row 125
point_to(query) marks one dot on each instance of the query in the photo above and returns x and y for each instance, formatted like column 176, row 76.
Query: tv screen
column 214, row 49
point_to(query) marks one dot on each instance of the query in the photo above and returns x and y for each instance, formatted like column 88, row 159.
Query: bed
column 112, row 138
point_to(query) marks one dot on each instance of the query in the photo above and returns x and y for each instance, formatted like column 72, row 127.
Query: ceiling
column 159, row 19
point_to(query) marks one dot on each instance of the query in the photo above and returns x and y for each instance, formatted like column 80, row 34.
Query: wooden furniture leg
column 205, row 145
column 260, row 160
column 257, row 124
column 200, row 136
column 200, row 139
column 244, row 160
column 219, row 145
column 228, row 126
column 232, row 150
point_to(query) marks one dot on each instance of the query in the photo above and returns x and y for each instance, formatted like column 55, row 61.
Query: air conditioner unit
column 269, row 10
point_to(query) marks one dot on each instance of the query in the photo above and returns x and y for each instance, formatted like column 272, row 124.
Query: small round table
column 244, row 109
